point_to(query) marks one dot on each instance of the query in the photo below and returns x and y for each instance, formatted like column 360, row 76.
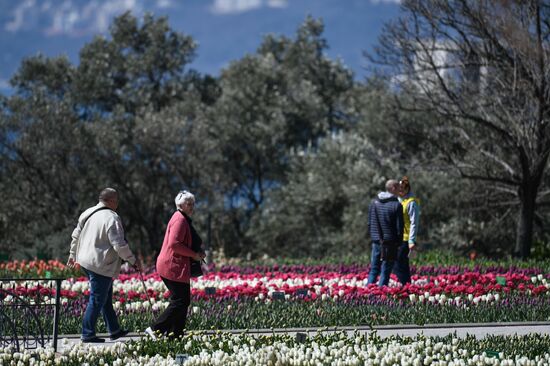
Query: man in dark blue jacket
column 385, row 215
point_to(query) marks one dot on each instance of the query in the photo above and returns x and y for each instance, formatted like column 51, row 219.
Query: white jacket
column 99, row 245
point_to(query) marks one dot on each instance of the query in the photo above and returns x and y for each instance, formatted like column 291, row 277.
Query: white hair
column 183, row 197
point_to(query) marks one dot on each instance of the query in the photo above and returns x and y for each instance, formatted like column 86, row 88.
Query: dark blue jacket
column 390, row 215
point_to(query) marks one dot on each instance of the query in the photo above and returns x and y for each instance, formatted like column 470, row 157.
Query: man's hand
column 137, row 265
column 71, row 263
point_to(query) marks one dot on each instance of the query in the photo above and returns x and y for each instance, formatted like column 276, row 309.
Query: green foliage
column 322, row 210
column 121, row 118
column 43, row 175
column 284, row 150
column 460, row 65
column 531, row 345
column 422, row 257
column 278, row 100
column 250, row 314
column 141, row 65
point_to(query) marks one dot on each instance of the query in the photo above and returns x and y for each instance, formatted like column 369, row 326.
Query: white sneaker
column 151, row 333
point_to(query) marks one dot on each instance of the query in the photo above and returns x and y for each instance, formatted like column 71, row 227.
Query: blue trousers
column 379, row 267
column 100, row 301
column 401, row 267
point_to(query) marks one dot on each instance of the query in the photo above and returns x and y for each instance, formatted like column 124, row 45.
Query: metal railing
column 26, row 312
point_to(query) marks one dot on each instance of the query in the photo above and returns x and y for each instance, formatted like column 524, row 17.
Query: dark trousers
column 401, row 267
column 173, row 319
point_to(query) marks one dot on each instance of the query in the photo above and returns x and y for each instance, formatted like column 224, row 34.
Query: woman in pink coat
column 173, row 266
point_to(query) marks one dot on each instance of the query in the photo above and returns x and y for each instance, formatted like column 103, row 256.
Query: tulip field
column 336, row 349
column 313, row 295
column 316, row 296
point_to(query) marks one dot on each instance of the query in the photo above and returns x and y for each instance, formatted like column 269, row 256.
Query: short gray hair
column 391, row 184
column 108, row 194
column 183, row 197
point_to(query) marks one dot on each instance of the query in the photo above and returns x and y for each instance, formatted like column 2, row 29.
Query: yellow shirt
column 409, row 234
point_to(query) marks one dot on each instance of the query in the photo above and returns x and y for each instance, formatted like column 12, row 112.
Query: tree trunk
column 524, row 233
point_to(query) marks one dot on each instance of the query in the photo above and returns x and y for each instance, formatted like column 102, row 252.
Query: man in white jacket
column 98, row 245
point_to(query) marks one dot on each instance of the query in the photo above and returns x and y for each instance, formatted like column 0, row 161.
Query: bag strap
column 380, row 232
column 83, row 223
column 90, row 215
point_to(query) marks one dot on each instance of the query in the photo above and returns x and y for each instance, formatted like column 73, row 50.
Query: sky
column 225, row 30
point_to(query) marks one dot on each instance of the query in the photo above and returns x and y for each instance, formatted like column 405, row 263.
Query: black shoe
column 93, row 340
column 119, row 334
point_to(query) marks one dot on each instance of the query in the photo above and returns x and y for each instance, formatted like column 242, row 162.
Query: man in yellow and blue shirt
column 411, row 216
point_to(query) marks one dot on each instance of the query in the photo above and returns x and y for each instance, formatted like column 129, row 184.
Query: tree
column 43, row 176
column 140, row 101
column 287, row 95
column 141, row 64
column 124, row 117
column 322, row 209
column 482, row 68
column 323, row 205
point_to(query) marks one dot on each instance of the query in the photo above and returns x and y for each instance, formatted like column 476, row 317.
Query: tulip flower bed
column 35, row 268
column 319, row 349
column 428, row 263
column 317, row 296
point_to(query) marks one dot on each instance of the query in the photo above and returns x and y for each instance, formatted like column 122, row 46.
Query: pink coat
column 173, row 261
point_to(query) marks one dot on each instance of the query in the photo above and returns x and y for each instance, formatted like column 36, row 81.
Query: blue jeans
column 379, row 267
column 401, row 267
column 100, row 301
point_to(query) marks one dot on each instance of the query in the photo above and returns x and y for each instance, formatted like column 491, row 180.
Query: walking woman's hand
column 71, row 263
column 199, row 256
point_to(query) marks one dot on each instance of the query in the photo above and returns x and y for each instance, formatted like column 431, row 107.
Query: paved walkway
column 480, row 330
